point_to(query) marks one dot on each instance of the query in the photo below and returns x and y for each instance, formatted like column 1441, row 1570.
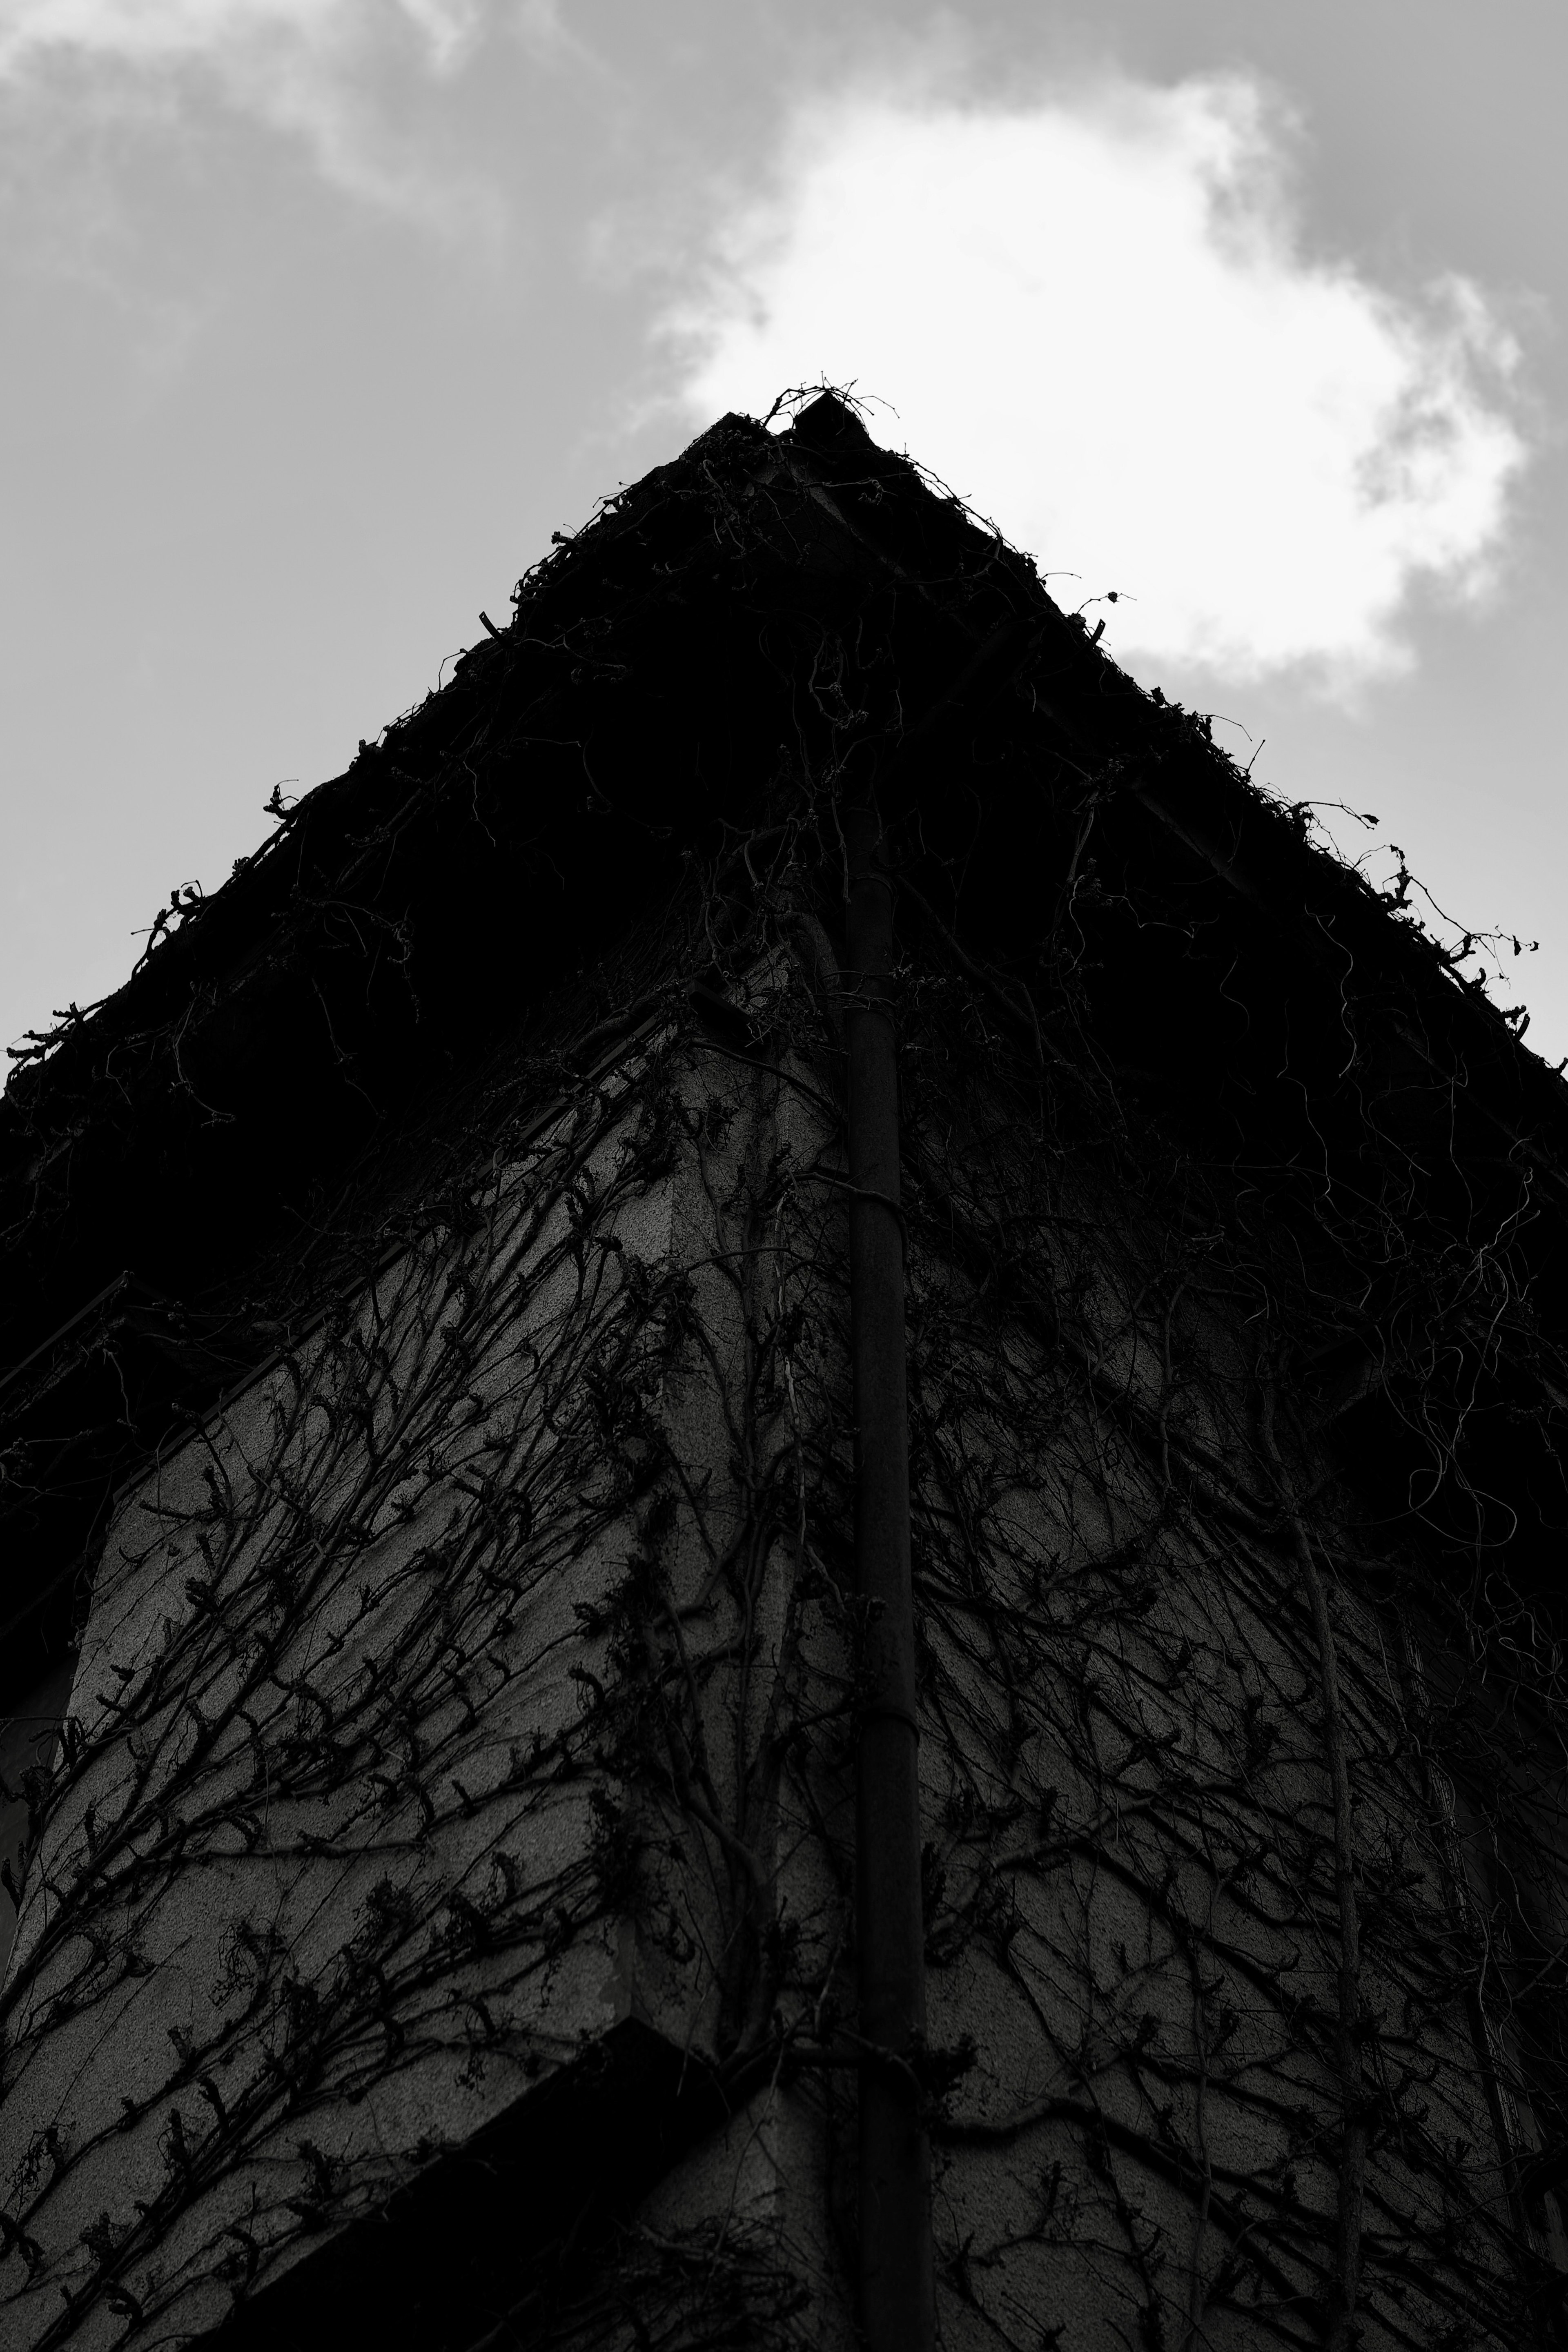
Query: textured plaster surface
column 1128, row 1817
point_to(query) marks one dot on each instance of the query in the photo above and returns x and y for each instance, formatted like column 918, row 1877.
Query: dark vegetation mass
column 1237, row 1225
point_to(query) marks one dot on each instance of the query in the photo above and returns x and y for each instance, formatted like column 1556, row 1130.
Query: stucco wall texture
column 482, row 1677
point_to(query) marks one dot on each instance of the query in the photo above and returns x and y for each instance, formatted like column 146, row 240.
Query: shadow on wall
column 26, row 1741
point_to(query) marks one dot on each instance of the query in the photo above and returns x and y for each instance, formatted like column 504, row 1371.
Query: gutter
column 897, row 2282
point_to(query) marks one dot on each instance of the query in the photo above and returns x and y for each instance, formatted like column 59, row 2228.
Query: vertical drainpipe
column 897, row 2286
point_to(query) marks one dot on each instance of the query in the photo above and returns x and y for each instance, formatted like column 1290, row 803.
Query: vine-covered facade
column 430, row 1463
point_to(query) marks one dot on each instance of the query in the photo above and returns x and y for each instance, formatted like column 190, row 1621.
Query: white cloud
column 306, row 68
column 149, row 32
column 1096, row 320
column 151, row 28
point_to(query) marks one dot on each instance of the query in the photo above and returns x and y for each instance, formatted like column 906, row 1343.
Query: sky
column 320, row 316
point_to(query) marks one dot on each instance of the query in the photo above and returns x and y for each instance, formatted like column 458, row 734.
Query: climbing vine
column 485, row 1671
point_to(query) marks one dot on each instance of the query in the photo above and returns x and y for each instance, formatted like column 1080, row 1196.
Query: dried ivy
column 502, row 1632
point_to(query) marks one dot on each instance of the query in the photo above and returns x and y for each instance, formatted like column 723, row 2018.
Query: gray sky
column 320, row 315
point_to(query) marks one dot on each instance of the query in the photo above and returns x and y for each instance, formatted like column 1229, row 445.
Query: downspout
column 897, row 2283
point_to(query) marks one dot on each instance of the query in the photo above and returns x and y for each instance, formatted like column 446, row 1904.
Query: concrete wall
column 28, row 1739
column 483, row 1677
column 338, row 1860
